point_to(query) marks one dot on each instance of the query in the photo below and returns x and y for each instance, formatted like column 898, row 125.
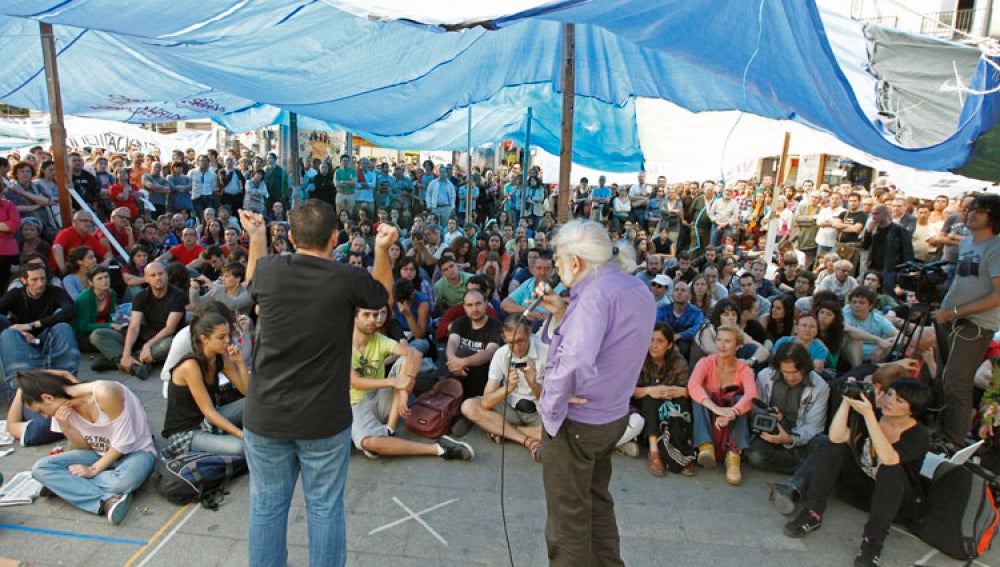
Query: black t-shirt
column 87, row 186
column 156, row 311
column 756, row 331
column 662, row 246
column 301, row 380
column 857, row 217
column 474, row 341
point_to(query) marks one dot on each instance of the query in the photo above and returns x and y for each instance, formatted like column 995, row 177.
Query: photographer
column 970, row 312
column 515, row 382
column 873, row 460
column 796, row 399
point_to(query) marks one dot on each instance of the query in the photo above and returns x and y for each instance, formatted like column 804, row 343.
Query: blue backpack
column 198, row 477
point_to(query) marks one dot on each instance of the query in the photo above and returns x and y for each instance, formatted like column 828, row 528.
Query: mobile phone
column 519, row 365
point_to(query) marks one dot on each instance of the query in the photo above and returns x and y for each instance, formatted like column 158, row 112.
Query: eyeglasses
column 124, row 217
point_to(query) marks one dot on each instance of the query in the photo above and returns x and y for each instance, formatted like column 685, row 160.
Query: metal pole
column 566, row 138
column 349, row 144
column 527, row 161
column 57, row 129
column 468, row 173
column 293, row 155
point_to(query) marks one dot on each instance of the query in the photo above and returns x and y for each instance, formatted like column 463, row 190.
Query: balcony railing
column 945, row 24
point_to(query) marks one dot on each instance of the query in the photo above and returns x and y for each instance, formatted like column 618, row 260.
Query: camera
column 925, row 280
column 854, row 390
column 763, row 423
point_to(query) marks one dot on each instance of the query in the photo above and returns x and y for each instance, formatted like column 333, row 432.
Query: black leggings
column 889, row 494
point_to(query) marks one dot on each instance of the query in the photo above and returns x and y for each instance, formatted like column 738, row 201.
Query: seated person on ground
column 663, row 380
column 722, row 388
column 472, row 341
column 378, row 402
column 31, row 427
column 797, row 396
column 230, row 289
column 95, row 308
column 412, row 312
column 111, row 450
column 726, row 312
column 38, row 334
column 806, row 334
column 479, row 282
column 157, row 313
column 450, row 289
column 193, row 393
column 683, row 318
column 519, row 300
column 515, row 383
column 872, row 459
column 870, row 332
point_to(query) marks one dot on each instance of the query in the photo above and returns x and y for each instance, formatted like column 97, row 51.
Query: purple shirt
column 598, row 349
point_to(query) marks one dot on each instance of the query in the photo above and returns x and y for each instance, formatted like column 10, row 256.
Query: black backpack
column 959, row 515
column 198, row 477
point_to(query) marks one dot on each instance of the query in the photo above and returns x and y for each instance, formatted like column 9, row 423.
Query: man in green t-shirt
column 345, row 179
column 377, row 402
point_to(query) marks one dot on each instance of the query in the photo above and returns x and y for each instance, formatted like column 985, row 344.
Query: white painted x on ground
column 416, row 516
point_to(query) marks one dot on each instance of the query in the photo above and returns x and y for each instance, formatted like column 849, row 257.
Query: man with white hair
column 603, row 334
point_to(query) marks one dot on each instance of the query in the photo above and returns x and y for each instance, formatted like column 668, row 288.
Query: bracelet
column 954, row 311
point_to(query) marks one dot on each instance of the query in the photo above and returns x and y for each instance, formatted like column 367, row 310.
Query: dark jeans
column 649, row 409
column 581, row 527
column 888, row 496
column 778, row 458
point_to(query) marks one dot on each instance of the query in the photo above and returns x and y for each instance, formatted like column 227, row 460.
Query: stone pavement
column 428, row 512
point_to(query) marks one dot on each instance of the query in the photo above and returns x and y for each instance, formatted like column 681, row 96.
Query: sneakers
column 140, row 371
column 369, row 454
column 706, row 456
column 733, row 474
column 784, row 496
column 461, row 426
column 103, row 365
column 116, row 507
column 455, row 450
column 629, row 449
column 655, row 464
column 807, row 521
column 869, row 555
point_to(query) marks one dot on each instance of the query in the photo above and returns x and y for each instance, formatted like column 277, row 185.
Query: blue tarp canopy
column 408, row 85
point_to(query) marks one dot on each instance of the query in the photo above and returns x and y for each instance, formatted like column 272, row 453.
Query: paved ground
column 423, row 511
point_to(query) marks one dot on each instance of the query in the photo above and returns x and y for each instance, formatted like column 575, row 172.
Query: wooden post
column 566, row 137
column 57, row 128
column 822, row 168
column 772, row 230
column 783, row 162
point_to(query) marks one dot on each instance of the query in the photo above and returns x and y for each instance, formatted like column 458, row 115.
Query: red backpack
column 434, row 411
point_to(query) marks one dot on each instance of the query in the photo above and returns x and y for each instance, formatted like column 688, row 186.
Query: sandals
column 535, row 446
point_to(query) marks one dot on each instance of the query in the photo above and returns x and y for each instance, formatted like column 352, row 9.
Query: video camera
column 925, row 280
column 764, row 421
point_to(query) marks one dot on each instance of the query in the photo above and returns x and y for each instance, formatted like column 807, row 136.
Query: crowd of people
column 743, row 327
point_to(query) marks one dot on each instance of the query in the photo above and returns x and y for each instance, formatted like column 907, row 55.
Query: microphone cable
column 552, row 283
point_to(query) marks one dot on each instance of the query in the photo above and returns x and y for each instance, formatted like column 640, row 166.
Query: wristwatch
column 954, row 311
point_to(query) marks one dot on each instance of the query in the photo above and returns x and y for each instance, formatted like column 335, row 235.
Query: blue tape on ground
column 71, row 534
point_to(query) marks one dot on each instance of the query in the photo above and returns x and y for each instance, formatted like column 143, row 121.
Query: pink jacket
column 10, row 216
column 703, row 381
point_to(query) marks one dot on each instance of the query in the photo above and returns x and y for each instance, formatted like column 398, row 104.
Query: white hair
column 588, row 241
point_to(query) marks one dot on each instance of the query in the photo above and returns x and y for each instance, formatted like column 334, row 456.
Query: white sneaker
column 630, row 449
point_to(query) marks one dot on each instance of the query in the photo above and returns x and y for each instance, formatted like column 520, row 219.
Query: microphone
column 760, row 404
column 550, row 284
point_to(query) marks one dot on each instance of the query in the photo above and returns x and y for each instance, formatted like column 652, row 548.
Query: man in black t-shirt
column 298, row 411
column 471, row 344
column 157, row 313
column 849, row 225
column 83, row 181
